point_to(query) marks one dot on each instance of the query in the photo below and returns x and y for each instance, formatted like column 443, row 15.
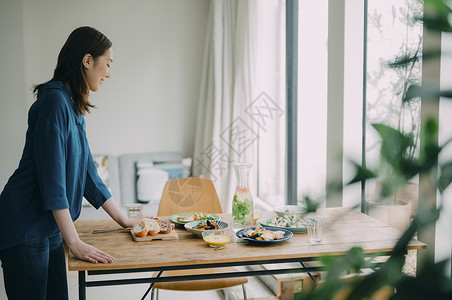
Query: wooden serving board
column 159, row 236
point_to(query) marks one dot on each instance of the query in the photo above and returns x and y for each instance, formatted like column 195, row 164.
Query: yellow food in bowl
column 217, row 240
column 256, row 217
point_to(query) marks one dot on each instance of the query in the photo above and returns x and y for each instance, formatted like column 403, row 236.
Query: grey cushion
column 128, row 171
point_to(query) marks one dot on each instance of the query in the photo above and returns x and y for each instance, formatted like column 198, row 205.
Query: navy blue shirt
column 55, row 172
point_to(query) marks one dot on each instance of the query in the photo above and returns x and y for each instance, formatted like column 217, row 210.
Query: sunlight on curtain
column 211, row 159
column 241, row 107
column 270, row 100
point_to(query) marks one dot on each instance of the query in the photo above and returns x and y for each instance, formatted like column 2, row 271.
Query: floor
column 126, row 292
column 135, row 291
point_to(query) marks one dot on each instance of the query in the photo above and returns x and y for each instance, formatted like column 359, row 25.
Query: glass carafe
column 242, row 204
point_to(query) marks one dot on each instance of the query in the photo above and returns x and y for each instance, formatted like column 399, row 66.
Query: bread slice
column 165, row 226
column 140, row 229
column 152, row 225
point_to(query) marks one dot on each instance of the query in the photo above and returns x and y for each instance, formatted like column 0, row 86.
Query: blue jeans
column 35, row 270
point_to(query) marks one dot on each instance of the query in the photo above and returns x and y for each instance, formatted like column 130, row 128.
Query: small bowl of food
column 200, row 226
column 290, row 210
column 217, row 237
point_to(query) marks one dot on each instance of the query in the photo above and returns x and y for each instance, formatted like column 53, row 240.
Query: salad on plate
column 262, row 234
column 288, row 221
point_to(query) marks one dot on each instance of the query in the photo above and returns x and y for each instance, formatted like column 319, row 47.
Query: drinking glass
column 134, row 209
column 316, row 230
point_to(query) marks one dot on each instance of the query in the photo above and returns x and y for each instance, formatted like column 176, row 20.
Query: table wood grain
column 346, row 228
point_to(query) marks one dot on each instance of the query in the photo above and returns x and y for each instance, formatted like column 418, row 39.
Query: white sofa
column 120, row 174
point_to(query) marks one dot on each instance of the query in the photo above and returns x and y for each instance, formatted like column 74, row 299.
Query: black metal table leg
column 82, row 285
column 309, row 273
column 151, row 286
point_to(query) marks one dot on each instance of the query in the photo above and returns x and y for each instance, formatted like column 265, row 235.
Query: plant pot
column 408, row 192
column 397, row 215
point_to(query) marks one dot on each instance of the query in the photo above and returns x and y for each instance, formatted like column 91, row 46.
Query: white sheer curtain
column 230, row 117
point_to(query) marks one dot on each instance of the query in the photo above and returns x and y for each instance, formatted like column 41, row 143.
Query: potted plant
column 394, row 152
column 388, row 108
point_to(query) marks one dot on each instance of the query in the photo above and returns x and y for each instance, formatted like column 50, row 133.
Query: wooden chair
column 193, row 194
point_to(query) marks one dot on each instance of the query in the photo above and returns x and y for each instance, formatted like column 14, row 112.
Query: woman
column 44, row 195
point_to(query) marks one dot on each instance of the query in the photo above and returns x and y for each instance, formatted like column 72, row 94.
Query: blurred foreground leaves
column 397, row 168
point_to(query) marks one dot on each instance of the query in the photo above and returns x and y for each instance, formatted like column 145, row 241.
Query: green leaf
column 430, row 130
column 438, row 5
column 431, row 282
column 356, row 259
column 404, row 61
column 427, row 93
column 436, row 15
column 362, row 174
column 445, row 177
column 334, row 188
column 311, row 204
column 437, row 23
column 327, row 260
column 429, row 54
column 394, row 144
column 430, row 150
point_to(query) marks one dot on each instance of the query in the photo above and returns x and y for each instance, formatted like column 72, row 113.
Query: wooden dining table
column 345, row 229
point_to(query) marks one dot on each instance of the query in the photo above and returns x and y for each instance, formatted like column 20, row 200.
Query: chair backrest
column 191, row 194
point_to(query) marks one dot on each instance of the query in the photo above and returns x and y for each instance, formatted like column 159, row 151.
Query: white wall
column 149, row 103
column 12, row 88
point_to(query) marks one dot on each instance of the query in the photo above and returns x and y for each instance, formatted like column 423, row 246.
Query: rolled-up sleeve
column 49, row 150
column 96, row 192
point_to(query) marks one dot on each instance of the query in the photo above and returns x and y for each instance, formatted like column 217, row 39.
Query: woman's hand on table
column 86, row 252
column 80, row 249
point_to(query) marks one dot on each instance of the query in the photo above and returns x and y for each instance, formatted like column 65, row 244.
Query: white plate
column 290, row 210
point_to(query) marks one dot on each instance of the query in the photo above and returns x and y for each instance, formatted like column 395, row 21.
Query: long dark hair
column 70, row 69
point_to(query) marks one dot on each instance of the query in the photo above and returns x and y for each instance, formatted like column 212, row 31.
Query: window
column 329, row 138
column 392, row 33
column 312, row 96
column 362, row 69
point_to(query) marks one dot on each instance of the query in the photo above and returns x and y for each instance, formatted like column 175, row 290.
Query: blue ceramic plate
column 191, row 226
column 287, row 235
column 267, row 223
